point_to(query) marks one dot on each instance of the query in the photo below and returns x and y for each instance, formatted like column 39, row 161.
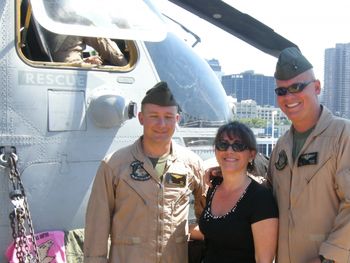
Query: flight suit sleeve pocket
column 344, row 183
column 138, row 188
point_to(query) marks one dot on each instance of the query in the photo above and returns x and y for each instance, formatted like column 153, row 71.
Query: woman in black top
column 240, row 220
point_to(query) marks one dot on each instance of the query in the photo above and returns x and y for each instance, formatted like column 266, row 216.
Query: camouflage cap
column 290, row 64
column 160, row 95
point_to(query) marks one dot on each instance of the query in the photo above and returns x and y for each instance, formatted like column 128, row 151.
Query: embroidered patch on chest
column 138, row 172
column 307, row 159
column 177, row 180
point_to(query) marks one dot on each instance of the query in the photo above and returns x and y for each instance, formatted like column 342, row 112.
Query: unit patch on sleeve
column 282, row 160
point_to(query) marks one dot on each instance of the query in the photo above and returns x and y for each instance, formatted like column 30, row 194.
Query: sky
column 312, row 25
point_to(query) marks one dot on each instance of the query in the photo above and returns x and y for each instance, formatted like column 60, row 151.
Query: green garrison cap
column 291, row 63
column 160, row 95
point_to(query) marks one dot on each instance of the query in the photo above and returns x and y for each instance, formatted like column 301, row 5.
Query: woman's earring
column 250, row 167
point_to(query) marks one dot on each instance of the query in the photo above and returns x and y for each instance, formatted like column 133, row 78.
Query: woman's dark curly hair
column 241, row 131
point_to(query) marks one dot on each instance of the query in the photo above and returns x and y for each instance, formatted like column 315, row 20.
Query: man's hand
column 210, row 173
column 96, row 60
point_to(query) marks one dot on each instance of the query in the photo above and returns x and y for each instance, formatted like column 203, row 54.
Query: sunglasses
column 294, row 88
column 236, row 146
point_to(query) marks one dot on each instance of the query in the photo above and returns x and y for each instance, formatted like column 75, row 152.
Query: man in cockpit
column 70, row 49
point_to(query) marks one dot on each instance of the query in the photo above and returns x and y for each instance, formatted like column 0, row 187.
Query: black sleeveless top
column 229, row 238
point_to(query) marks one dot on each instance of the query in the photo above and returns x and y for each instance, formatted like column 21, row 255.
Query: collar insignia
column 138, row 172
column 282, row 160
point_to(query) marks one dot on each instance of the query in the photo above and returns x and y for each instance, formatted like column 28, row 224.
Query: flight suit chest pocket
column 308, row 159
column 175, row 187
column 312, row 162
column 177, row 176
column 143, row 189
column 176, row 184
column 175, row 180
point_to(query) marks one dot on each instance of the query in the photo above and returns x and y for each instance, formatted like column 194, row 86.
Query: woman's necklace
column 208, row 212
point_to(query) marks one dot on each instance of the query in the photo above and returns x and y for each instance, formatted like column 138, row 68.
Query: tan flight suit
column 313, row 193
column 146, row 217
column 70, row 49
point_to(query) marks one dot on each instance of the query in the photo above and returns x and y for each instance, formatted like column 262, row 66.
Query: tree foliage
column 254, row 122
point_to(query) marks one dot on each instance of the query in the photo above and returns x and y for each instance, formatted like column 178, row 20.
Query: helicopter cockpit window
column 76, row 33
column 195, row 86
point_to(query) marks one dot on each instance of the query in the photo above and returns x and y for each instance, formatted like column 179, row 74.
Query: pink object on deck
column 50, row 245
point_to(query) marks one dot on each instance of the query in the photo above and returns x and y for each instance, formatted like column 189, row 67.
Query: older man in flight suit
column 140, row 196
column 310, row 170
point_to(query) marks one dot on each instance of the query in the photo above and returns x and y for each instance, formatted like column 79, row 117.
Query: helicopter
column 59, row 119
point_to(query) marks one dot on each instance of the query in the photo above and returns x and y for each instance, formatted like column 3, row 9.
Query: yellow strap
column 26, row 23
column 29, row 12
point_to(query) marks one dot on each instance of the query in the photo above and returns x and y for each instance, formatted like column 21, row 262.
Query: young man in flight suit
column 141, row 193
column 310, row 170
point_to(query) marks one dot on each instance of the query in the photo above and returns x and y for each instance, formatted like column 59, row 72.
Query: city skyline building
column 216, row 67
column 248, row 85
column 335, row 92
column 336, row 95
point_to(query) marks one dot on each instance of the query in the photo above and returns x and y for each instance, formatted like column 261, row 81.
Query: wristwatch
column 325, row 260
